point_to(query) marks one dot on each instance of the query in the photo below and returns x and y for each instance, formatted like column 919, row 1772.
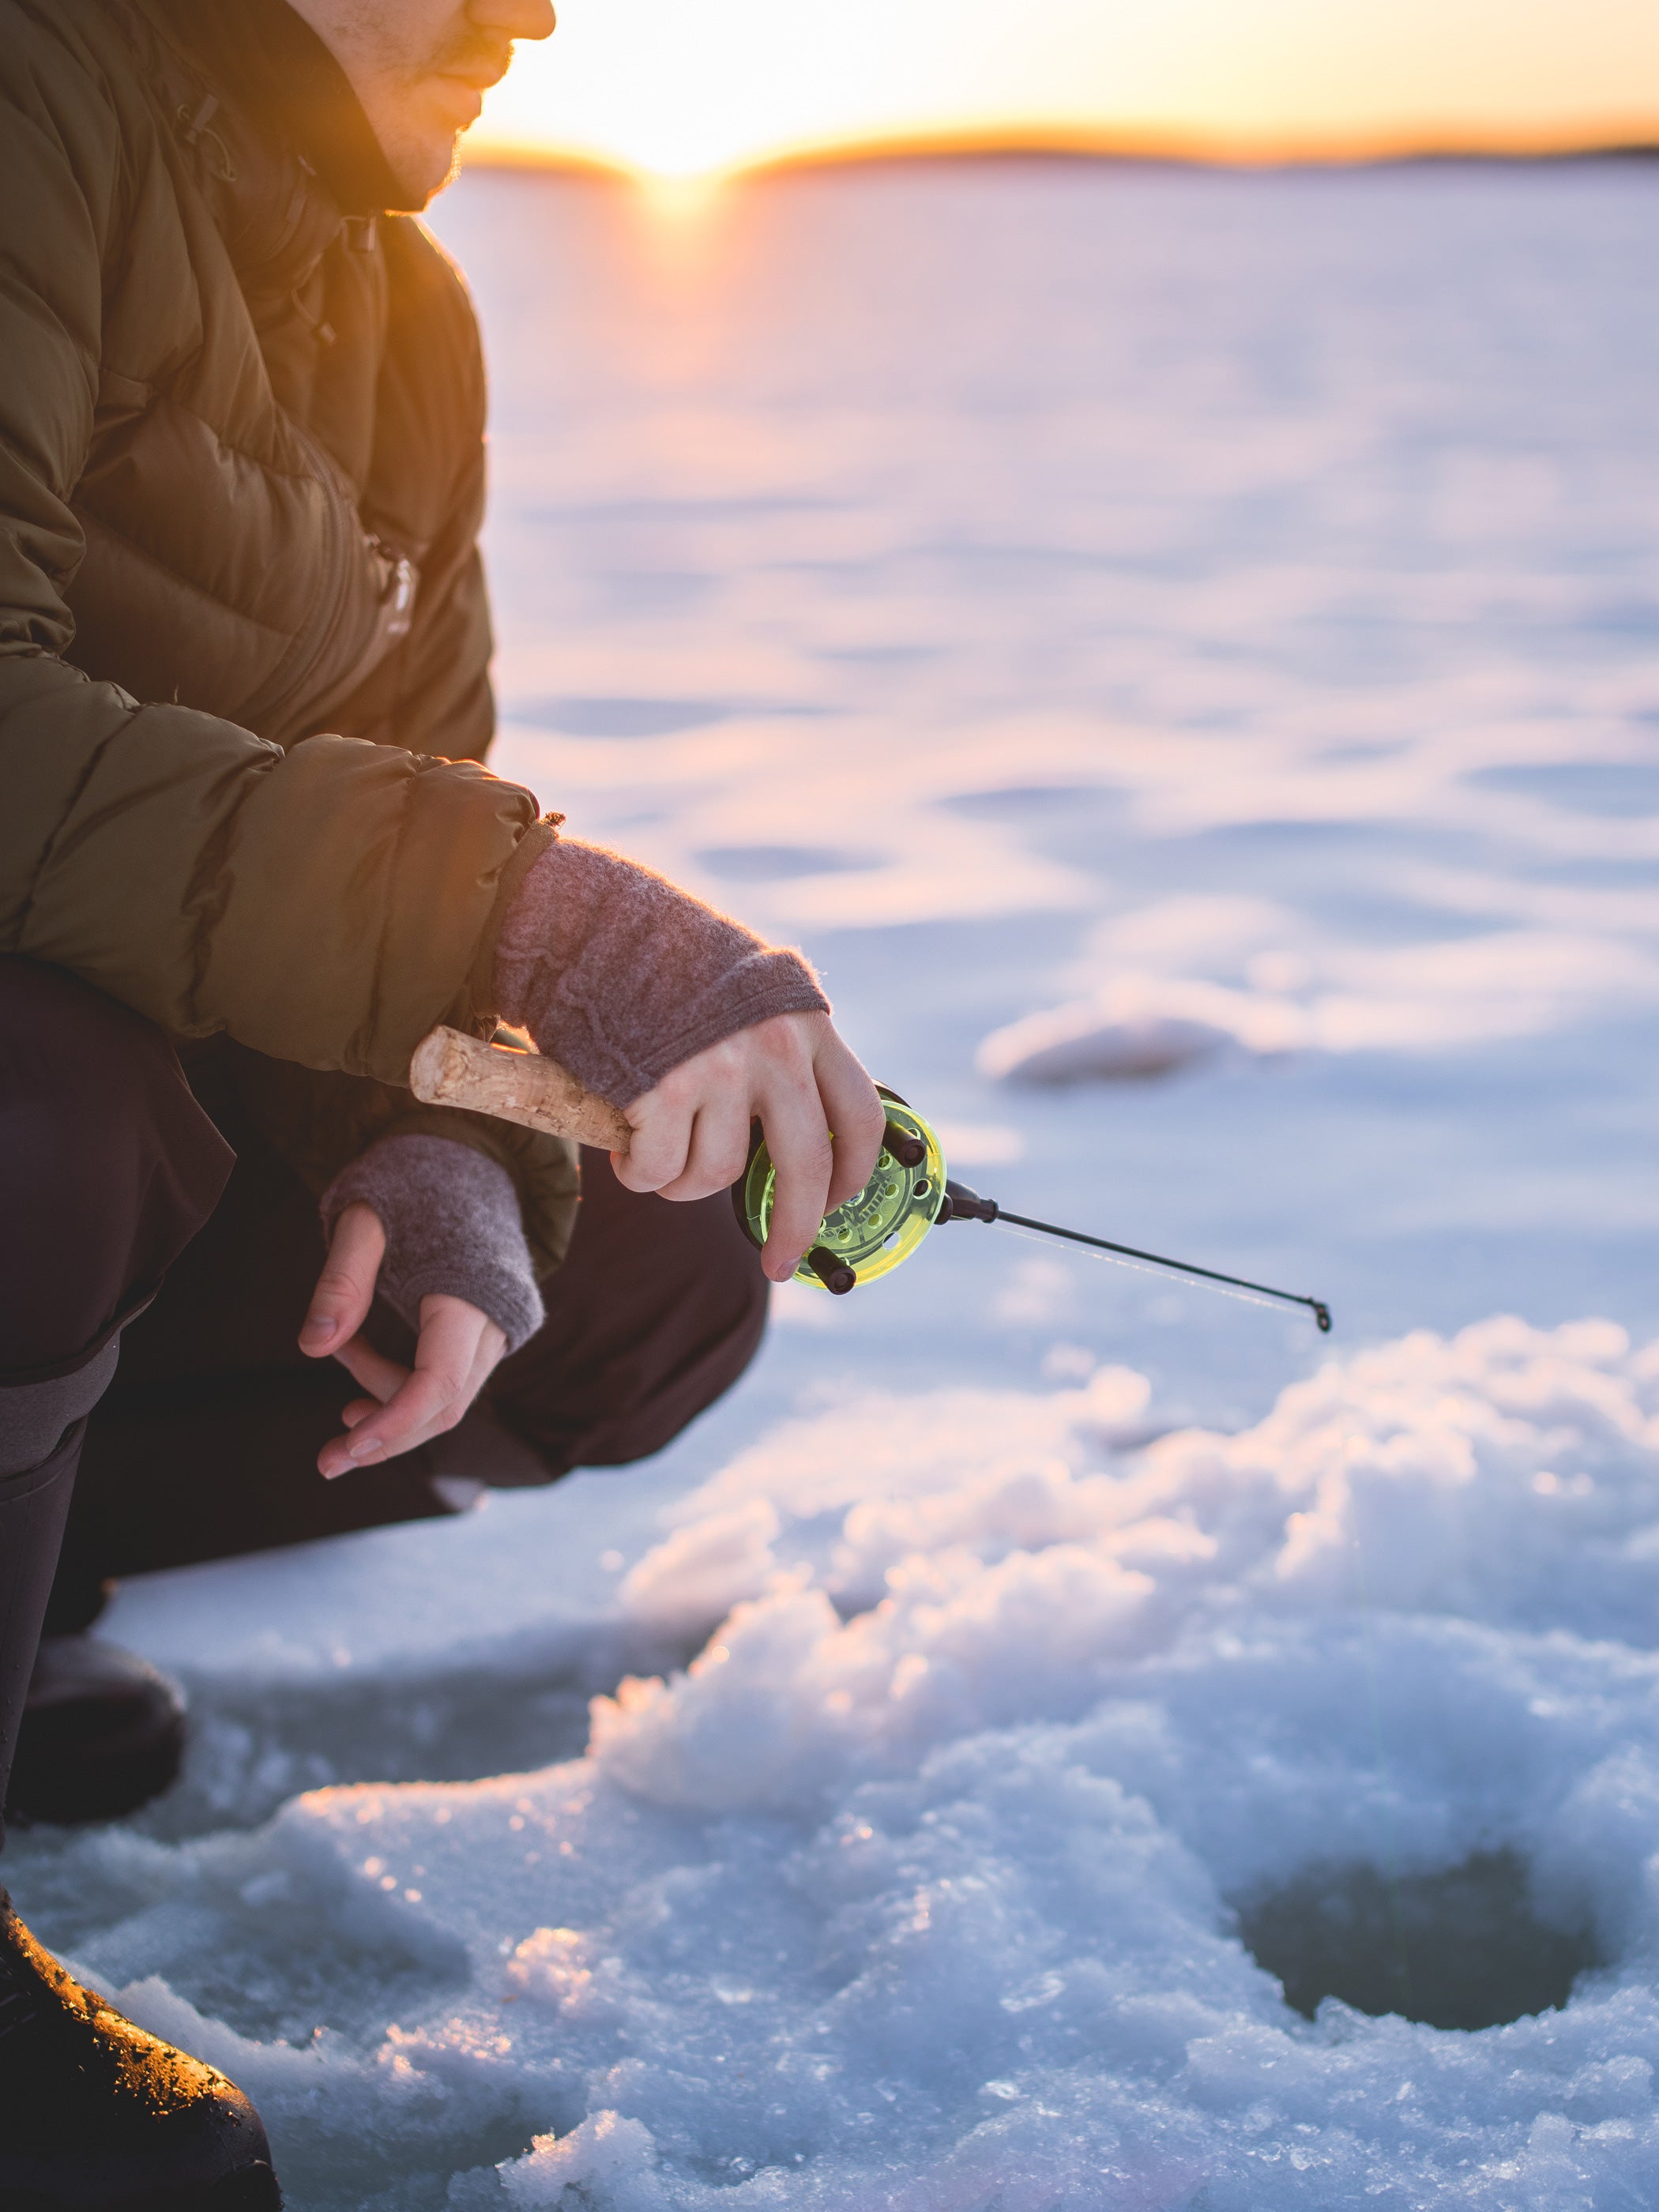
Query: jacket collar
column 282, row 74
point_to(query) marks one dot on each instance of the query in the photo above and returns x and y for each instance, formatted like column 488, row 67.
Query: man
column 243, row 699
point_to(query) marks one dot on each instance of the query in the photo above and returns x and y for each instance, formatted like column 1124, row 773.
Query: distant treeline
column 882, row 153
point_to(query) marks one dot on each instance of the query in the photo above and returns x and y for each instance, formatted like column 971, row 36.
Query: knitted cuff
column 620, row 975
column 453, row 1229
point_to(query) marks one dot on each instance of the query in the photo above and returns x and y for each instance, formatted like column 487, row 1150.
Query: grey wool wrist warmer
column 620, row 975
column 452, row 1230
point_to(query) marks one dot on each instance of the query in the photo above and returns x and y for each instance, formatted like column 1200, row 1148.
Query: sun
column 669, row 93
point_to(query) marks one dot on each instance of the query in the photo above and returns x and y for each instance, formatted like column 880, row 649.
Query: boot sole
column 254, row 2189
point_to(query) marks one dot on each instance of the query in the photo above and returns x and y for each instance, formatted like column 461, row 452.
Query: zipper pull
column 397, row 592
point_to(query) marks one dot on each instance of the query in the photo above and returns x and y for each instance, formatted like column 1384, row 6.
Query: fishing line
column 1114, row 1259
column 1237, row 1286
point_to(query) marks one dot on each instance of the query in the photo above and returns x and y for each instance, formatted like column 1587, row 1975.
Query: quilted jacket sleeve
column 325, row 906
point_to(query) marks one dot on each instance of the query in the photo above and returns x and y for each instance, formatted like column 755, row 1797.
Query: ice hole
column 1462, row 1949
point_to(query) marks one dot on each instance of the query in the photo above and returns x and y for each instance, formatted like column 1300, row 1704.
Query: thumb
column 345, row 1288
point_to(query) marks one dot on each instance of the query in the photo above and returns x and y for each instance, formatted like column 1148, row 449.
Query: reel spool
column 878, row 1227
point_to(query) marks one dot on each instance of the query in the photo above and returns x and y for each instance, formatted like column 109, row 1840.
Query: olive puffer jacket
column 244, row 639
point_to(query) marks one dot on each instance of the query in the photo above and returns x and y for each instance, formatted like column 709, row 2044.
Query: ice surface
column 1109, row 612
column 1038, row 586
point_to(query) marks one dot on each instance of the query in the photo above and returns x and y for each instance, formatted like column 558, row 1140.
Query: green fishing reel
column 876, row 1229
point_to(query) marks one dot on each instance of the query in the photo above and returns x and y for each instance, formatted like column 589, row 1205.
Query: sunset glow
column 665, row 89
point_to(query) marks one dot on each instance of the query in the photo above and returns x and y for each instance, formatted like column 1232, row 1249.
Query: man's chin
column 421, row 166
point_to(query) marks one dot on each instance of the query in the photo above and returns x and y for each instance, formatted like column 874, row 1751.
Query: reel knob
column 904, row 1146
column 835, row 1274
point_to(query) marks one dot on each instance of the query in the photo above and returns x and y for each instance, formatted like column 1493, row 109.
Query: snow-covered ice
column 920, row 1885
column 1126, row 622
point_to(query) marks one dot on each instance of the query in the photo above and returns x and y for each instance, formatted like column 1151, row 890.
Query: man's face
column 420, row 69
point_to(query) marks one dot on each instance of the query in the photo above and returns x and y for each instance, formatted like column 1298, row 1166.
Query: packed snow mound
column 919, row 1885
column 1140, row 1026
column 1269, row 981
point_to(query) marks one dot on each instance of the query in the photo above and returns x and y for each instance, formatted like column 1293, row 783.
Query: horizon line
column 1171, row 148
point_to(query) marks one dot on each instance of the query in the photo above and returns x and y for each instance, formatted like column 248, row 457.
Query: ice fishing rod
column 909, row 1193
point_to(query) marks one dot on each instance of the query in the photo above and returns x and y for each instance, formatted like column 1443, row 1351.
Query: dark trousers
column 120, row 1182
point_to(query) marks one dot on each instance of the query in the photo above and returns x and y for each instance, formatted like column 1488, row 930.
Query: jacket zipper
column 327, row 610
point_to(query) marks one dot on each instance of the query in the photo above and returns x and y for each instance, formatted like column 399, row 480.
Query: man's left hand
column 457, row 1348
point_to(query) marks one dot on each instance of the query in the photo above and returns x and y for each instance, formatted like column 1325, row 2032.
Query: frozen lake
column 1113, row 618
column 1013, row 579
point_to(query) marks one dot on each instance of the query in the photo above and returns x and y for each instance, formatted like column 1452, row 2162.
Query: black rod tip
column 831, row 1270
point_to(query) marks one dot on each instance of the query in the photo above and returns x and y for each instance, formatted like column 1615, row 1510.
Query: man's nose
column 516, row 19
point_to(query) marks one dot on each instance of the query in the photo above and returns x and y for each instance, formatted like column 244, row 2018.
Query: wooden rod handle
column 452, row 1069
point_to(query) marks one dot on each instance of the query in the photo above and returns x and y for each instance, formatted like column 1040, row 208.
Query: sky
column 690, row 86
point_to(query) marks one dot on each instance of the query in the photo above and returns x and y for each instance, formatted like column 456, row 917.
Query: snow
column 918, row 1885
column 1136, row 1027
column 1226, row 661
column 1300, row 993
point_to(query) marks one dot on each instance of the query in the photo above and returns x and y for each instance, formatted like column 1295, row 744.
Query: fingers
column 362, row 1362
column 434, row 1396
column 691, row 1132
column 345, row 1288
column 491, row 1347
column 662, row 1140
column 719, row 1151
column 457, row 1350
column 663, row 1120
column 797, row 1138
column 855, row 1113
column 830, row 1092
column 382, row 1377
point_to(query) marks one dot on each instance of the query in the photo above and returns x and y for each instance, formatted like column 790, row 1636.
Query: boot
column 102, row 1733
column 95, row 2115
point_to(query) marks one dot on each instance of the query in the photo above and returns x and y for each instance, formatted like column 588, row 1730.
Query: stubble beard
column 373, row 45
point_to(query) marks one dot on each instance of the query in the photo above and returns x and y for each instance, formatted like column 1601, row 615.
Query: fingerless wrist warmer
column 620, row 975
column 453, row 1229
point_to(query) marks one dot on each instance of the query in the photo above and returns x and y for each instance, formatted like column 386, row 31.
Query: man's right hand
column 793, row 1075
